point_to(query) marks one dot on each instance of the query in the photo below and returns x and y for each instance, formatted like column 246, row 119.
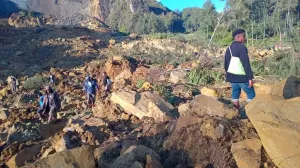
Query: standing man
column 106, row 83
column 52, row 79
column 13, row 85
column 238, row 70
column 51, row 103
column 17, row 85
column 91, row 88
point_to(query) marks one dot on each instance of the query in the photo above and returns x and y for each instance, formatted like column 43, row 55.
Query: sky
column 180, row 4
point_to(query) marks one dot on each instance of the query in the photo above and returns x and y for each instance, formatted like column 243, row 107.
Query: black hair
column 237, row 31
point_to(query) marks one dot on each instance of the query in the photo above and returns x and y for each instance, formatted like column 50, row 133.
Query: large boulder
column 117, row 64
column 152, row 162
column 277, row 121
column 26, row 155
column 108, row 110
column 247, row 153
column 144, row 104
column 203, row 105
column 288, row 88
column 81, row 157
column 21, row 132
column 107, row 152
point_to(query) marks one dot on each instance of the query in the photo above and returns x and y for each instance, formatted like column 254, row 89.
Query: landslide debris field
column 159, row 114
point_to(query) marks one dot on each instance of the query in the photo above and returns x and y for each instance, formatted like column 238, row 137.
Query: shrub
column 166, row 93
column 35, row 83
column 23, row 13
column 140, row 84
column 204, row 76
column 283, row 64
column 258, row 68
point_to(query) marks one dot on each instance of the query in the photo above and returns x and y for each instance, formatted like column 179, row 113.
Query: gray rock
column 3, row 136
column 137, row 164
column 18, row 53
column 21, row 132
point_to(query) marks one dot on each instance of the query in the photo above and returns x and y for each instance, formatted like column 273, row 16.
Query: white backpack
column 235, row 65
column 109, row 82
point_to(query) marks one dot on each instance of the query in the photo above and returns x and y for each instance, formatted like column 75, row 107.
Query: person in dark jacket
column 51, row 103
column 239, row 80
column 106, row 83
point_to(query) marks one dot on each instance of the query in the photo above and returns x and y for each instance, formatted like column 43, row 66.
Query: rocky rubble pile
column 141, row 129
column 164, row 122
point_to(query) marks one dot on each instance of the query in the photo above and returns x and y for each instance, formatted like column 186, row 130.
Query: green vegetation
column 35, row 83
column 281, row 65
column 140, row 84
column 204, row 76
column 25, row 13
column 264, row 21
column 166, row 93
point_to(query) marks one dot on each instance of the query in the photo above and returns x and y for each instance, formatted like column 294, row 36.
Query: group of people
column 50, row 104
column 236, row 65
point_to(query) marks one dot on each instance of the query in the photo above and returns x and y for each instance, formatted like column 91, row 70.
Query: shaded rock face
column 7, row 7
column 27, row 154
column 67, row 8
column 292, row 87
column 58, row 8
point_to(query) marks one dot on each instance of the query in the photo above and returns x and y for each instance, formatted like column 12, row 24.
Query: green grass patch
column 35, row 83
column 204, row 76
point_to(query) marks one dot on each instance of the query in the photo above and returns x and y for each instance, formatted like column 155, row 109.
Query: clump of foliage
column 25, row 13
column 140, row 84
column 204, row 76
column 35, row 83
column 166, row 93
column 258, row 67
column 282, row 65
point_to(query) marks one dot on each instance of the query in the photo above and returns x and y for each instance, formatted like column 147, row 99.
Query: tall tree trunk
column 220, row 18
column 288, row 16
column 252, row 34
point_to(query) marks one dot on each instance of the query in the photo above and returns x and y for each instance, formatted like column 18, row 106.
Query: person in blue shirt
column 41, row 101
column 91, row 88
